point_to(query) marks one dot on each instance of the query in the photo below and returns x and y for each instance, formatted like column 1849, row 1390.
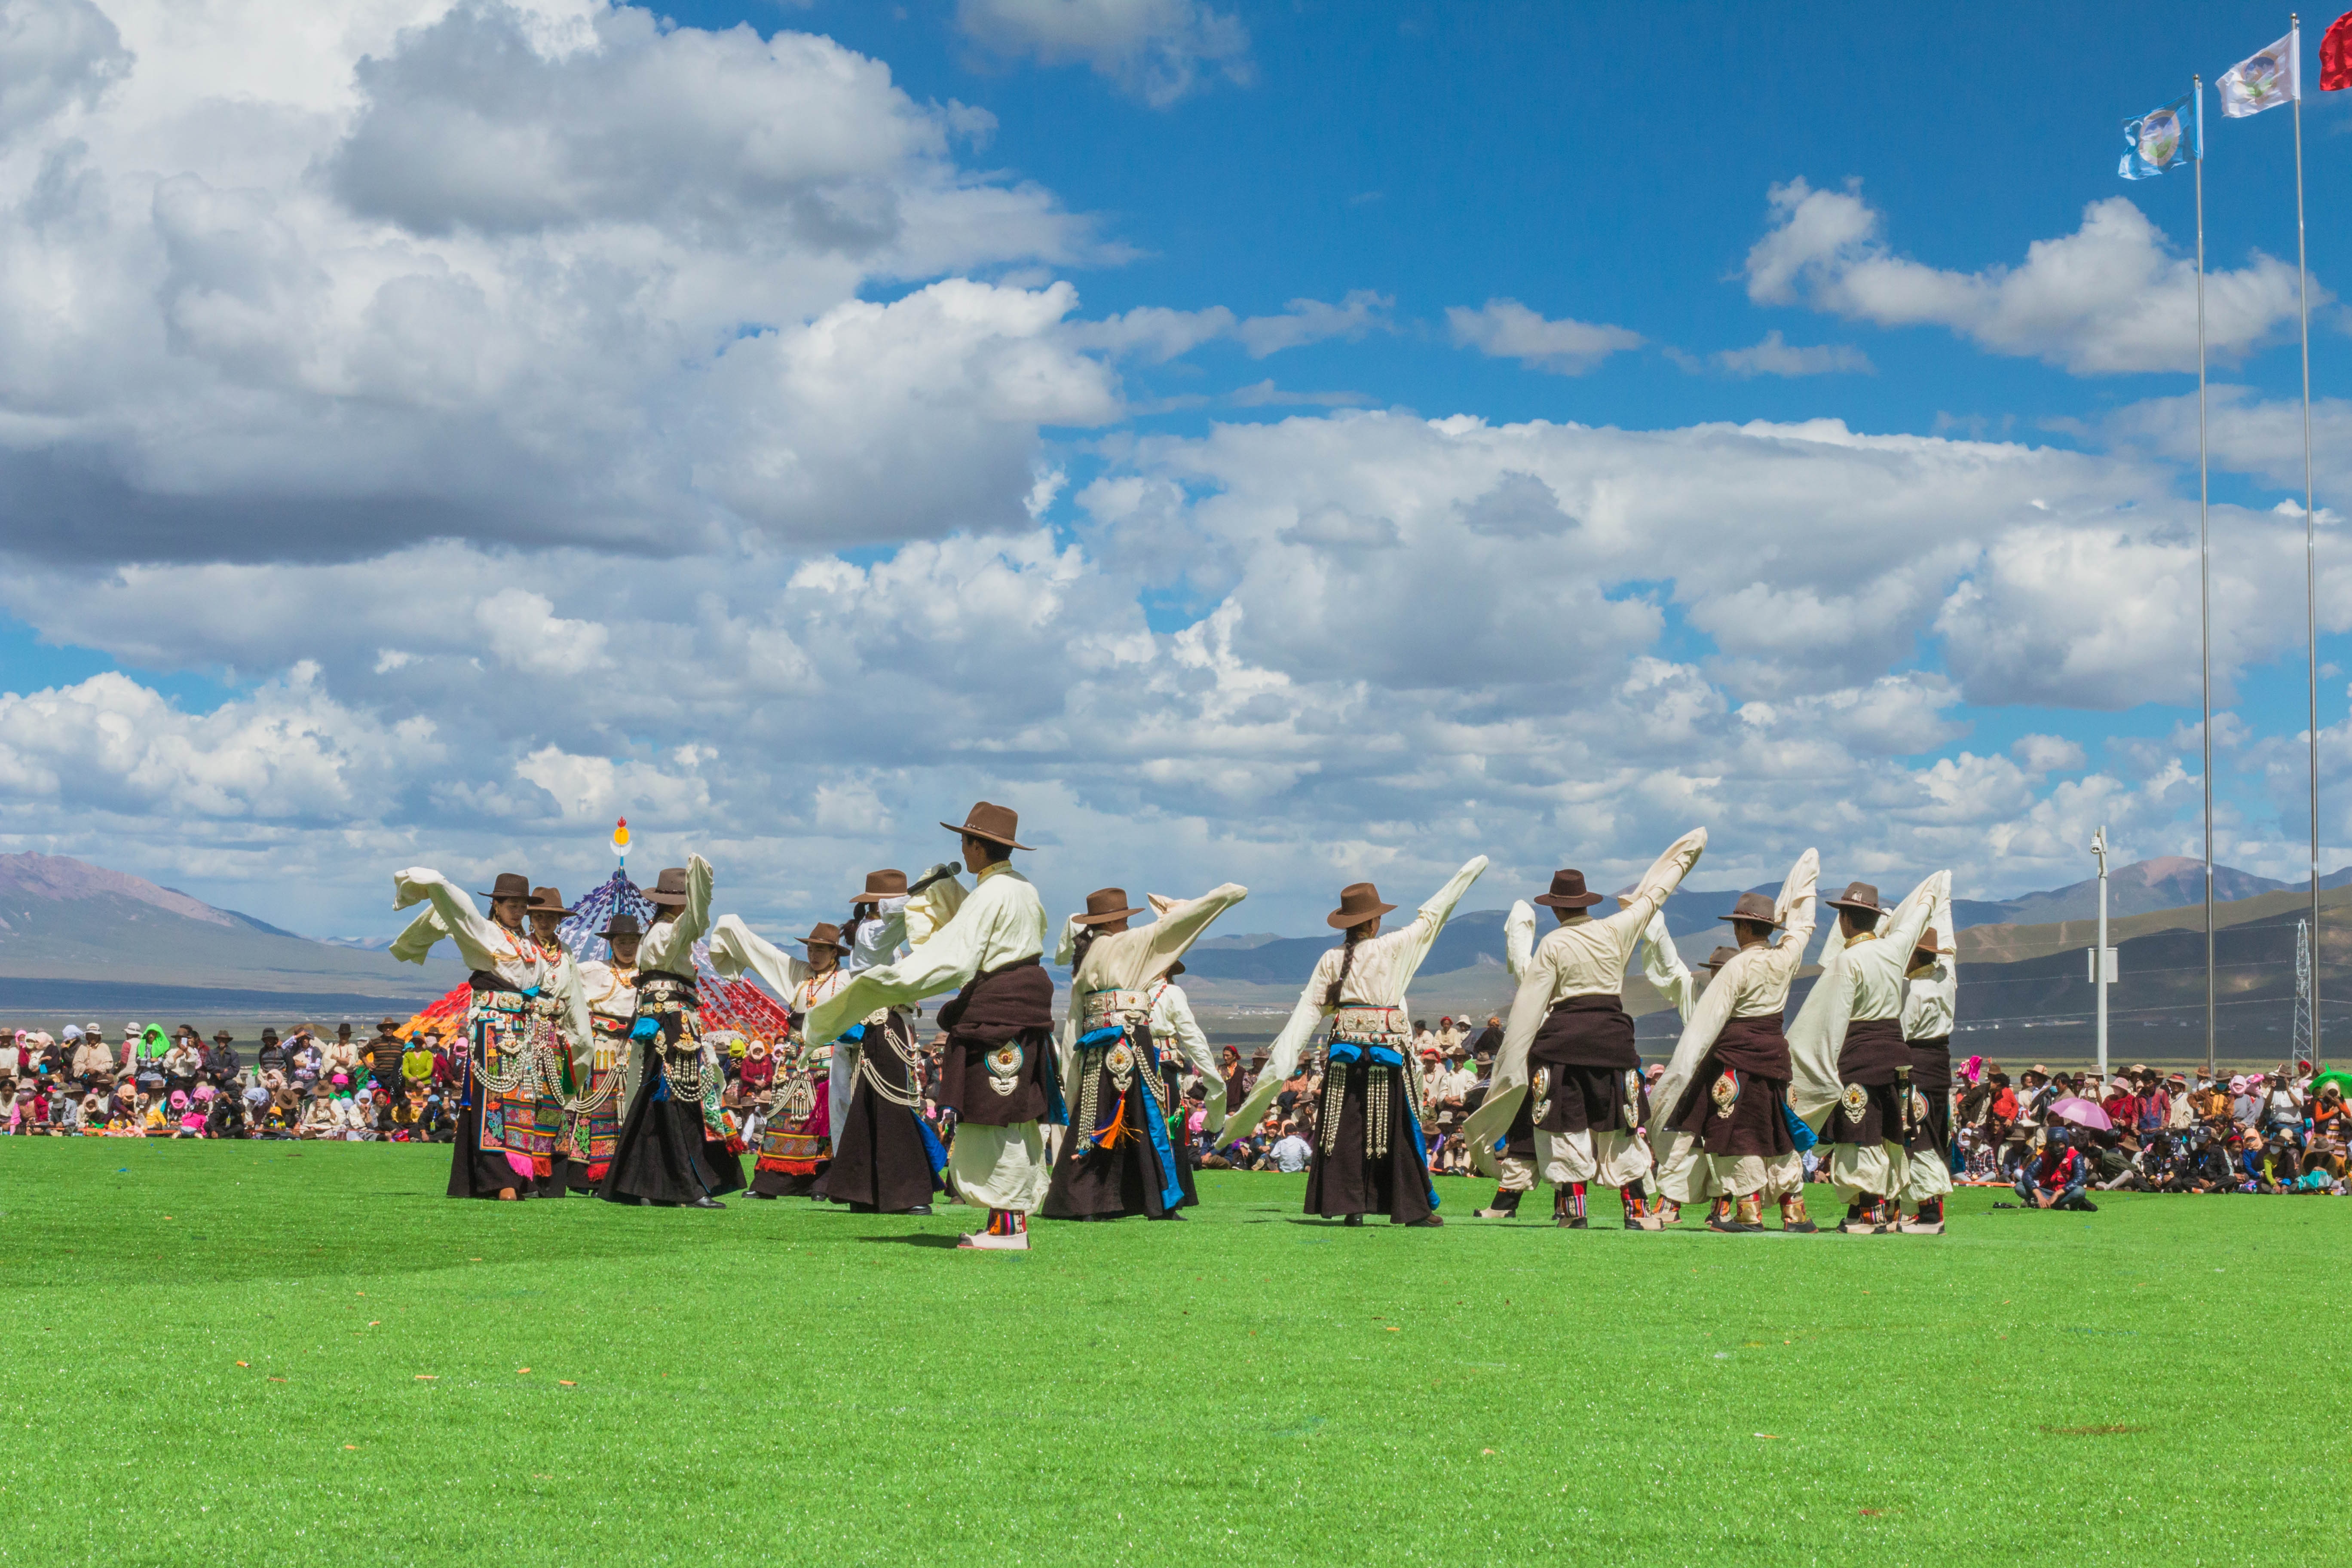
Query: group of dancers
column 596, row 1075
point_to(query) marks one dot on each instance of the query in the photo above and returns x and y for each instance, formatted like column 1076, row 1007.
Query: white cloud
column 1158, row 51
column 1775, row 356
column 2110, row 298
column 2046, row 753
column 523, row 630
column 1158, row 334
column 54, row 55
column 1505, row 329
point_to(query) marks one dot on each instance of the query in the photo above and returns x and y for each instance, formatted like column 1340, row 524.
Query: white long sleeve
column 1001, row 921
column 482, row 943
column 736, row 948
column 1382, row 968
column 669, row 945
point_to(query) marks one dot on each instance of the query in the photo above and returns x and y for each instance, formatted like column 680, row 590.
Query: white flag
column 2265, row 81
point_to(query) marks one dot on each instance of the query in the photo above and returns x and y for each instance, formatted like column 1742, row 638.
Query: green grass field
column 267, row 1352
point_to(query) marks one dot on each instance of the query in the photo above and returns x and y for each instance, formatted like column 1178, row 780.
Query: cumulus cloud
column 1505, row 329
column 1157, row 50
column 2113, row 297
column 54, row 55
column 2046, row 753
column 1774, row 355
column 1156, row 333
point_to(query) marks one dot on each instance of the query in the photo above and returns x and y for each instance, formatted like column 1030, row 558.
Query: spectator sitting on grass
column 1291, row 1152
column 2055, row 1179
column 225, row 1118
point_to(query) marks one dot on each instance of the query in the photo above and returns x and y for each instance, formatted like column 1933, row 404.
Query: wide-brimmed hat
column 1719, row 957
column 1927, row 944
column 219, row 1035
column 668, row 890
column 1104, row 905
column 1358, row 901
column 387, row 1024
column 880, row 885
column 996, row 824
column 1173, row 969
column 547, row 902
column 509, row 884
column 1757, row 909
column 1568, row 892
column 623, row 924
column 1858, row 896
column 825, row 933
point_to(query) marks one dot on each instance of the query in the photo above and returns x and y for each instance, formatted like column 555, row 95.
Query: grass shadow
column 918, row 1238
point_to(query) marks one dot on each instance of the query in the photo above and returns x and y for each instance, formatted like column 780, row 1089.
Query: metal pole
column 2204, row 572
column 2099, row 959
column 2310, row 531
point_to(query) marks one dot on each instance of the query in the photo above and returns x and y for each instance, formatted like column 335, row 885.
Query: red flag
column 2335, row 55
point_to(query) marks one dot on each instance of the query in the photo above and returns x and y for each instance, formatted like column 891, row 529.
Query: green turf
column 214, row 1352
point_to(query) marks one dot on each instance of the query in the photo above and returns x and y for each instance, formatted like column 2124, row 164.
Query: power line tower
column 2302, row 991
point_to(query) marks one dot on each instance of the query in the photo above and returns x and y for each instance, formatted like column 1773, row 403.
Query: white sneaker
column 981, row 1241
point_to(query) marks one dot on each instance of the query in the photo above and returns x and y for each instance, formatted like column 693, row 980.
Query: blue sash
column 1390, row 1056
column 1155, row 1122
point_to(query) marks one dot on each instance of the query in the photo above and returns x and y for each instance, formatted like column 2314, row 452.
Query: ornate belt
column 1371, row 1027
column 1111, row 1009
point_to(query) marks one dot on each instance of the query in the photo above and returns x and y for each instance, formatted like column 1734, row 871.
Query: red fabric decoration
column 2335, row 55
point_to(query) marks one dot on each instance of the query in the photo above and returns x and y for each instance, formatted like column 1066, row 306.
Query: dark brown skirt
column 879, row 1161
column 1109, row 1184
column 1585, row 1098
column 1349, row 1180
column 1931, row 1079
column 663, row 1156
column 1872, row 1060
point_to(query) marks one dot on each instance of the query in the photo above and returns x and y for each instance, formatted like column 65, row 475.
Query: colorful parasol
column 2082, row 1113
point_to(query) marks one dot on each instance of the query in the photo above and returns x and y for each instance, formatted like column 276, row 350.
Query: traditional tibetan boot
column 1746, row 1217
column 1858, row 1220
column 1793, row 1218
column 1928, row 1221
column 1639, row 1215
column 1505, row 1204
column 1719, row 1210
column 1668, row 1211
column 1008, row 1231
column 1567, row 1207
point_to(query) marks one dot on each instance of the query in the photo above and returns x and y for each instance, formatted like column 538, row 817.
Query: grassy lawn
column 267, row 1352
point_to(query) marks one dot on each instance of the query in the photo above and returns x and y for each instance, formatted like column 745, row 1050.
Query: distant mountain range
column 72, row 933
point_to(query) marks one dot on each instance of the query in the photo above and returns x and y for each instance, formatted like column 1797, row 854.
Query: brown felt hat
column 1719, row 957
column 223, row 1035
column 880, row 885
column 825, row 933
column 509, row 884
column 623, row 924
column 1104, row 905
column 668, row 890
column 1927, row 944
column 1757, row 909
column 996, row 824
column 547, row 902
column 1358, row 901
column 1568, row 892
column 387, row 1024
column 1858, row 896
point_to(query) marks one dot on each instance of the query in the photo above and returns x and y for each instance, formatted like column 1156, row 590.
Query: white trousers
column 1518, row 1175
column 1926, row 1176
column 1000, row 1167
column 1614, row 1158
column 841, row 1080
column 1737, row 1175
column 1684, row 1178
column 1857, row 1170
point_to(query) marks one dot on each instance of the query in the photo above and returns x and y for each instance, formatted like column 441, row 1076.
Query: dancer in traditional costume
column 593, row 1115
column 1177, row 1036
column 1118, row 1157
column 1569, row 1050
column 999, row 1075
column 796, row 1144
column 1931, row 1000
column 1369, row 1155
column 673, row 1149
column 1853, row 1070
column 507, row 1115
column 1725, row 1090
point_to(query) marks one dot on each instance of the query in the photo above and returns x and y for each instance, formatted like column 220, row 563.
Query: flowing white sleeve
column 934, row 907
column 1179, row 925
column 473, row 933
column 1282, row 1057
column 1815, row 1037
column 735, row 948
column 418, row 937
column 943, row 962
column 1519, row 938
column 878, row 939
column 1430, row 920
column 1663, row 968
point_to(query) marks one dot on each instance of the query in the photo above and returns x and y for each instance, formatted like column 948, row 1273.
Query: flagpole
column 2204, row 569
column 2310, row 528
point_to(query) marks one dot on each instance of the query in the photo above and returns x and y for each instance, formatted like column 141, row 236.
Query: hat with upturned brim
column 994, row 823
column 509, row 884
column 547, row 902
column 668, row 890
column 1358, row 902
column 1568, row 892
column 825, row 933
column 1754, row 909
column 1104, row 905
column 881, row 885
column 1858, row 896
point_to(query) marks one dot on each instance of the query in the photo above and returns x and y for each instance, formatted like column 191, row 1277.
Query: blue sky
column 1612, row 167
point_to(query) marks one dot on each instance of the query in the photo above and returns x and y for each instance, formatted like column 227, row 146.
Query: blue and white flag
column 2265, row 81
column 2165, row 139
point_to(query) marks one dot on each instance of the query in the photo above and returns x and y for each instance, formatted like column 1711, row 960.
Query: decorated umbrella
column 2082, row 1113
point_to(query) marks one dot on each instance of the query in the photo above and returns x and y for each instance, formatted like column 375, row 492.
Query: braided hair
column 1078, row 945
column 1356, row 933
column 849, row 927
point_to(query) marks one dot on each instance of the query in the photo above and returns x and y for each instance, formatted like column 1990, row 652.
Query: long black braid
column 1078, row 945
column 849, row 927
column 1356, row 933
